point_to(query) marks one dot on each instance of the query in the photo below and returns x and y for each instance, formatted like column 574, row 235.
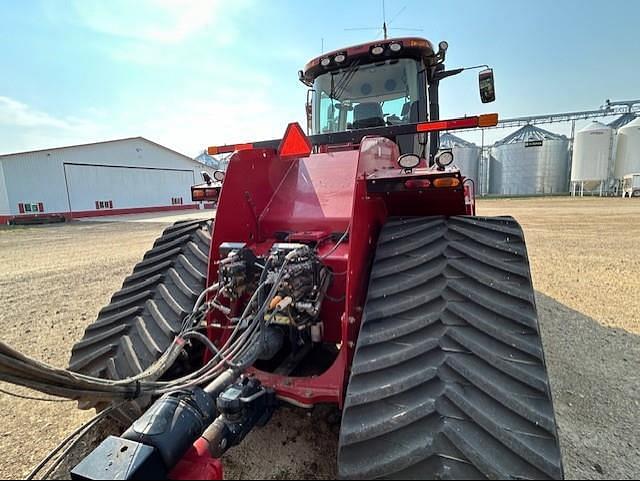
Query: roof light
column 325, row 62
column 379, row 50
column 419, row 43
column 340, row 58
column 295, row 144
column 395, row 47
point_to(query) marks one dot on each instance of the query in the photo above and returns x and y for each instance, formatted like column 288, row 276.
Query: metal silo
column 628, row 150
column 592, row 158
column 466, row 155
column 530, row 161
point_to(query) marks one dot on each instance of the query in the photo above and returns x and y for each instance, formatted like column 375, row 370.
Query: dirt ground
column 586, row 269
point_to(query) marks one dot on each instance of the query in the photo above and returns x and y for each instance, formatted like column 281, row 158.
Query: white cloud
column 18, row 114
column 158, row 21
column 27, row 128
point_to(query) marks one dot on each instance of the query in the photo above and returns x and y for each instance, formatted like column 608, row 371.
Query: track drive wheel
column 449, row 378
column 141, row 322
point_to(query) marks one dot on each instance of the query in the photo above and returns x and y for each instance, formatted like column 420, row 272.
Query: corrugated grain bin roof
column 529, row 133
column 449, row 141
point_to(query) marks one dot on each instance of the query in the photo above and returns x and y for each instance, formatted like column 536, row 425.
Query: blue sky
column 194, row 73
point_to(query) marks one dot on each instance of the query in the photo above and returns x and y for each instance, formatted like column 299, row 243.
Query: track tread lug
column 448, row 379
column 141, row 321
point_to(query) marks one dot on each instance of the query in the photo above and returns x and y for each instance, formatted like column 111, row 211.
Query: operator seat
column 409, row 143
column 368, row 114
column 410, row 112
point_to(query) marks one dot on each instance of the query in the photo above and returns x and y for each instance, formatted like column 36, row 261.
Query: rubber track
column 449, row 378
column 141, row 321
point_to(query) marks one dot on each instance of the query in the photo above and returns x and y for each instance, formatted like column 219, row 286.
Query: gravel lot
column 584, row 256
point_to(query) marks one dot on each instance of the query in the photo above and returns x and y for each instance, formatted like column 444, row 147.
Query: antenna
column 384, row 20
column 386, row 25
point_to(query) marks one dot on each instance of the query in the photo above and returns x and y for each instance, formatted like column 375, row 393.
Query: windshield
column 371, row 95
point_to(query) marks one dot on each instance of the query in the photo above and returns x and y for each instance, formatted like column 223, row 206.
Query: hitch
column 172, row 440
column 242, row 407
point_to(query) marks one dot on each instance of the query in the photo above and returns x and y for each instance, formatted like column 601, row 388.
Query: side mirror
column 487, row 86
column 219, row 175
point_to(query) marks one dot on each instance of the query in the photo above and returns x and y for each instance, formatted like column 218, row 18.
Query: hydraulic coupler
column 241, row 407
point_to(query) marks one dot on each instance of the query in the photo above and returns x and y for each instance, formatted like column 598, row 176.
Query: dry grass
column 583, row 253
column 54, row 279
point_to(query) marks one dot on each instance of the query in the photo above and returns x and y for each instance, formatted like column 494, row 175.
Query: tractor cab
column 380, row 84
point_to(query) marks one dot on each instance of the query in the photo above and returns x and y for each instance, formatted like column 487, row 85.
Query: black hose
column 78, row 433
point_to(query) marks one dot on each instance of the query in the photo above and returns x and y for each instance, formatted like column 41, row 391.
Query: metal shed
column 107, row 178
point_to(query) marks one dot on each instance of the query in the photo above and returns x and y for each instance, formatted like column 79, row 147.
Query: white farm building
column 106, row 178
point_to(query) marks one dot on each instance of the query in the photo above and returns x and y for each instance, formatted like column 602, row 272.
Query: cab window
column 370, row 95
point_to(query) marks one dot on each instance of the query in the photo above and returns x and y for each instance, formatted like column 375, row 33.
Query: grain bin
column 530, row 161
column 466, row 155
column 628, row 150
column 592, row 157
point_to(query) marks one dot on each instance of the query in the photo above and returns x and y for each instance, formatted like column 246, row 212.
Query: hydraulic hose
column 239, row 352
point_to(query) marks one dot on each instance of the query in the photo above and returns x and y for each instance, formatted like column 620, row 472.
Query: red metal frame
column 325, row 193
column 198, row 463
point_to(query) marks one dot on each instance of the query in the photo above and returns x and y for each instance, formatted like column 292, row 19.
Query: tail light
column 444, row 182
column 417, row 184
column 205, row 194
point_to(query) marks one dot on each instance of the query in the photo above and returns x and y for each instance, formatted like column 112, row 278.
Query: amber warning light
column 204, row 194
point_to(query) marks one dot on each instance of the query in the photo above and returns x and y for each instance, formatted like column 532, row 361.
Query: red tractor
column 343, row 267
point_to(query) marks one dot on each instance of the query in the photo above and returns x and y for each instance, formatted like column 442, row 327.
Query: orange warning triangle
column 295, row 143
